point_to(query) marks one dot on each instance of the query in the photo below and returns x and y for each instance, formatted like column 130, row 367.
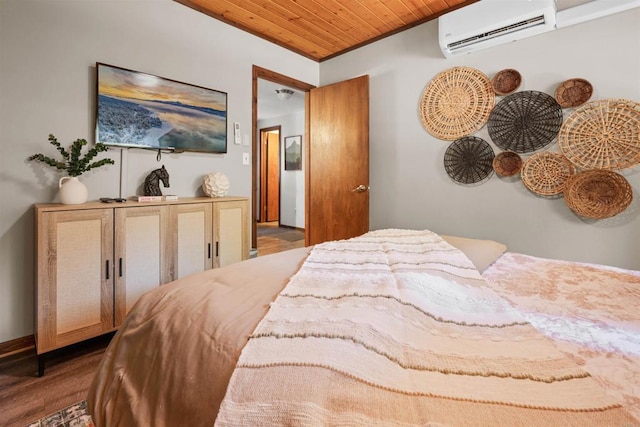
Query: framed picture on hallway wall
column 293, row 153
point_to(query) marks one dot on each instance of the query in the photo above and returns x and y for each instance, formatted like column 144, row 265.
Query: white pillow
column 482, row 253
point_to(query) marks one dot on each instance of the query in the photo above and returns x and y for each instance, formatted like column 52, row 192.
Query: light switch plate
column 245, row 159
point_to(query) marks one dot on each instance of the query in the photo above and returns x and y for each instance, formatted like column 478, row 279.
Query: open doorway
column 336, row 174
column 279, row 115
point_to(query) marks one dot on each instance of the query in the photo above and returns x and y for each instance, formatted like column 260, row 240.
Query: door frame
column 264, row 190
column 272, row 76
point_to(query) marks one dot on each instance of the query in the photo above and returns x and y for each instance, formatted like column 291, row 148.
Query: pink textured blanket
column 398, row 328
column 590, row 311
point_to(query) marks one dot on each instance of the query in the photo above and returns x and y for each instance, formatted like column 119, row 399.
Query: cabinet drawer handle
column 107, row 270
column 120, row 266
column 217, row 249
column 209, row 250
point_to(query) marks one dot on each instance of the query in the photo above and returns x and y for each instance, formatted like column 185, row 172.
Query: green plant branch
column 73, row 163
column 59, row 147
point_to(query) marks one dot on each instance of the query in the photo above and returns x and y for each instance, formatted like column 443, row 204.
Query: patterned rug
column 75, row 415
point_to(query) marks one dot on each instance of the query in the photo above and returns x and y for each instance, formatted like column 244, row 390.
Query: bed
column 395, row 327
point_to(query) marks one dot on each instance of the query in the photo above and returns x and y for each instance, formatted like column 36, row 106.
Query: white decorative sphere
column 215, row 184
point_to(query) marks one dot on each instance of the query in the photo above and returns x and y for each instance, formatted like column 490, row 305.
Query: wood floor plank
column 270, row 243
column 25, row 397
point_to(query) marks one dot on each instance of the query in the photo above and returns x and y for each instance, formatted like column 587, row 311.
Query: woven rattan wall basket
column 603, row 134
column 469, row 160
column 525, row 121
column 456, row 103
column 597, row 194
column 546, row 173
column 507, row 163
column 573, row 92
column 506, row 81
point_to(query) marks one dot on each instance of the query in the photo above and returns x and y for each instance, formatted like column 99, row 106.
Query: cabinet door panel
column 192, row 238
column 79, row 262
column 141, row 254
column 75, row 291
column 231, row 232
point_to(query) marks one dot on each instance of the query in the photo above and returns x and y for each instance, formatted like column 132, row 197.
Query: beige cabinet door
column 230, row 231
column 191, row 238
column 74, row 276
column 141, row 254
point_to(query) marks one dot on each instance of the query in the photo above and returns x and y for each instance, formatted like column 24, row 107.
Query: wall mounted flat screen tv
column 141, row 110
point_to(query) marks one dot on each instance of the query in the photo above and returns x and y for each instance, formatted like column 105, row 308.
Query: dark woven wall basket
column 469, row 160
column 524, row 122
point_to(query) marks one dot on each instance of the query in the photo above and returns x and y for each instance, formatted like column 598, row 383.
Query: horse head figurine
column 152, row 182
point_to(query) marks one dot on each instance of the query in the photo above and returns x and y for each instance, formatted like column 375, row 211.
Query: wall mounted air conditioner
column 489, row 23
column 589, row 10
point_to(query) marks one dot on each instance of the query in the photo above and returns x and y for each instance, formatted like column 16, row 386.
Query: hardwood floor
column 24, row 397
column 272, row 238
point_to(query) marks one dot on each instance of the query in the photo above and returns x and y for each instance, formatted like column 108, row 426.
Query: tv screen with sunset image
column 141, row 110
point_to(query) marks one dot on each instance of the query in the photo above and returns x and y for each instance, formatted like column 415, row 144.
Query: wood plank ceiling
column 323, row 29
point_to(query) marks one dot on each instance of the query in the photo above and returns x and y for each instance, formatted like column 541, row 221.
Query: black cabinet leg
column 40, row 365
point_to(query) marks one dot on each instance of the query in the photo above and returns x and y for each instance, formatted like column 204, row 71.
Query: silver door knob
column 361, row 188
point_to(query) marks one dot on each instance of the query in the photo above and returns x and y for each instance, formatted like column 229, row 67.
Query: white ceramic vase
column 72, row 191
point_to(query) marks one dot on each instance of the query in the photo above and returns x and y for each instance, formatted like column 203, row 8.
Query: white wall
column 48, row 51
column 409, row 186
column 291, row 182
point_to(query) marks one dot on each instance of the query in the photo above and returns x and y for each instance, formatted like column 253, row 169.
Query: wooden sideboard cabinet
column 95, row 260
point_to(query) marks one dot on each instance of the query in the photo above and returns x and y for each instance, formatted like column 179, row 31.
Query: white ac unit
column 488, row 23
column 589, row 10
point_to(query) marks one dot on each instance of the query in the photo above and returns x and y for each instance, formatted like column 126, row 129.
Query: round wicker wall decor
column 456, row 103
column 597, row 193
column 525, row 121
column 507, row 163
column 573, row 92
column 469, row 160
column 506, row 81
column 603, row 134
column 545, row 173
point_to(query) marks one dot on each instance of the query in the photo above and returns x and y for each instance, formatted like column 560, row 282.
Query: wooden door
column 192, row 246
column 74, row 276
column 337, row 176
column 142, row 262
column 273, row 177
column 230, row 232
column 270, row 174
